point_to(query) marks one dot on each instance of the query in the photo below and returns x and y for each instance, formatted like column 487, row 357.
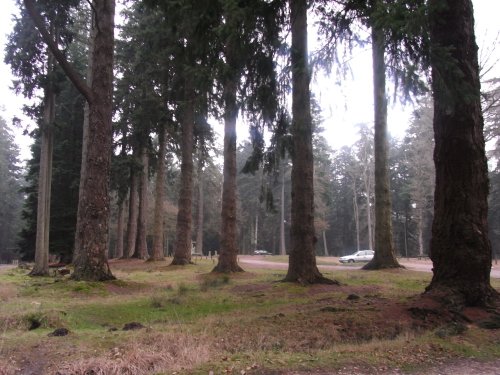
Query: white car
column 358, row 256
column 262, row 252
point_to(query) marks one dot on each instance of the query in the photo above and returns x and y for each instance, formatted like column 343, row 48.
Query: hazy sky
column 344, row 106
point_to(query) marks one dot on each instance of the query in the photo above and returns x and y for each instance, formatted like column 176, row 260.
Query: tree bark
column 159, row 214
column 85, row 131
column 93, row 213
column 368, row 189
column 119, row 229
column 460, row 247
column 302, row 260
column 182, row 250
column 356, row 212
column 141, row 247
column 420, row 229
column 384, row 247
column 133, row 212
column 92, row 228
column 200, row 216
column 228, row 256
column 41, row 267
column 325, row 247
column 282, row 221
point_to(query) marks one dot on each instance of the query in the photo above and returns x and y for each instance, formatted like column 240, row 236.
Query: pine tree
column 91, row 239
column 11, row 199
column 460, row 247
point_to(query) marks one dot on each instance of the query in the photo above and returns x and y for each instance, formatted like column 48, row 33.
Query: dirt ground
column 319, row 324
column 332, row 263
column 458, row 367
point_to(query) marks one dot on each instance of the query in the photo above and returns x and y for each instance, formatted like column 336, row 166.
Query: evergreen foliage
column 11, row 197
column 66, row 177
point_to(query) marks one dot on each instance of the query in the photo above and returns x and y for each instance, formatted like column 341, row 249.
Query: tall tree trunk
column 356, row 213
column 282, row 221
column 228, row 257
column 302, row 261
column 368, row 189
column 92, row 228
column 119, row 229
column 200, row 216
column 41, row 267
column 460, row 248
column 85, row 134
column 159, row 214
column 406, row 231
column 182, row 250
column 420, row 229
column 141, row 247
column 133, row 211
column 325, row 247
column 256, row 234
column 384, row 247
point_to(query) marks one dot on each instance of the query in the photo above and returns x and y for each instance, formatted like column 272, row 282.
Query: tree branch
column 70, row 71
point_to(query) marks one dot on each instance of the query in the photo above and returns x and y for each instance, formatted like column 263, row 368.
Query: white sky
column 343, row 106
column 346, row 106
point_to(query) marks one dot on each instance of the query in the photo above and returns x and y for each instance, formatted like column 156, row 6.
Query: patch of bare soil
column 457, row 367
column 251, row 288
column 130, row 265
column 124, row 289
column 7, row 292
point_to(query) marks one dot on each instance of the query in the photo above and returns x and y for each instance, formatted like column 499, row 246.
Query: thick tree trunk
column 93, row 215
column 460, row 248
column 85, row 135
column 159, row 214
column 228, row 257
column 141, row 246
column 302, row 261
column 182, row 250
column 119, row 229
column 384, row 248
column 200, row 216
column 133, row 212
column 92, row 228
column 41, row 267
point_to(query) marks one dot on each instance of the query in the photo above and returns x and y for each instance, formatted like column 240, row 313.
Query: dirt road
column 411, row 264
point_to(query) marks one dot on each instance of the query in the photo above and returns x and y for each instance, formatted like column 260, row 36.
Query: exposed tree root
column 317, row 279
column 38, row 273
column 371, row 266
column 181, row 262
column 458, row 296
column 91, row 276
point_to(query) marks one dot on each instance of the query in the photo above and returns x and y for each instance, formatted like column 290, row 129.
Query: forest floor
column 161, row 319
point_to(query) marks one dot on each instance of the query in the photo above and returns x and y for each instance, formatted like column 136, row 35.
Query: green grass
column 248, row 322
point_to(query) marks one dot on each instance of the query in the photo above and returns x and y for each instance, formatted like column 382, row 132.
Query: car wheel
column 351, row 260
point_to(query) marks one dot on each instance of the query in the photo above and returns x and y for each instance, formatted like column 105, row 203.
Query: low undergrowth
column 157, row 319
